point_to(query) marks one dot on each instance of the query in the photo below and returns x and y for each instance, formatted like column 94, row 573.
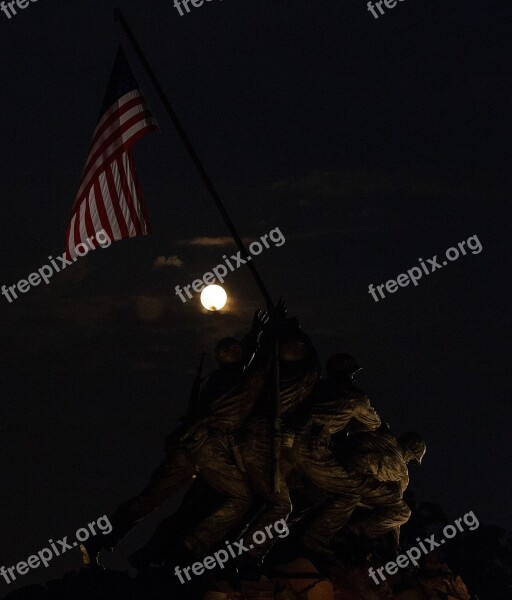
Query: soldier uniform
column 298, row 373
column 203, row 449
column 334, row 404
column 384, row 461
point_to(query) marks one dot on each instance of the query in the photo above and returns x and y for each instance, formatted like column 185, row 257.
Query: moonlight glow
column 213, row 297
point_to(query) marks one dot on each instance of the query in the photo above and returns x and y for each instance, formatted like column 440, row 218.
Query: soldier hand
column 259, row 321
column 194, row 433
column 280, row 310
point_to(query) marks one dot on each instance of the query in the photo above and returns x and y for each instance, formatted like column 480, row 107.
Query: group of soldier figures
column 267, row 439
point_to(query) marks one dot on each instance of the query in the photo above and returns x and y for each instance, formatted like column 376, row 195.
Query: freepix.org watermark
column 46, row 271
column 387, row 3
column 232, row 263
column 179, row 5
column 9, row 8
column 415, row 273
column 221, row 557
column 412, row 555
column 44, row 556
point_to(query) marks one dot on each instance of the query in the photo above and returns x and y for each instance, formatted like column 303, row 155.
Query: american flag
column 110, row 197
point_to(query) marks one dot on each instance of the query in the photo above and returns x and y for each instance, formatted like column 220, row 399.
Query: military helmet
column 228, row 351
column 342, row 364
column 292, row 350
column 292, row 340
column 413, row 446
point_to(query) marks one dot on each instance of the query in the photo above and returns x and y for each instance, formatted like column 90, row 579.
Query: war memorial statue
column 268, row 441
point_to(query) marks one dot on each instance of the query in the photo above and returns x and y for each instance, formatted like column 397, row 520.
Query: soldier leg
column 323, row 470
column 305, row 501
column 218, row 468
column 195, row 506
column 389, row 512
column 173, row 473
column 330, row 521
column 257, row 454
column 385, row 518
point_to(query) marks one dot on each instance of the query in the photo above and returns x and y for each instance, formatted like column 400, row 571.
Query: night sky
column 369, row 142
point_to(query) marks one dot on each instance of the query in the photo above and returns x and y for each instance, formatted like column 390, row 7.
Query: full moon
column 213, row 297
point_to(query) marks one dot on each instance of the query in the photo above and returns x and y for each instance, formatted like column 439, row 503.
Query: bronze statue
column 266, row 402
column 202, row 448
column 298, row 372
column 384, row 461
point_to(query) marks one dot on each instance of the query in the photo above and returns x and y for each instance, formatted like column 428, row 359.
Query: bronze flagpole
column 118, row 16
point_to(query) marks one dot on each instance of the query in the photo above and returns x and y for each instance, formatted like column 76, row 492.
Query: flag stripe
column 123, row 180
column 102, row 211
column 124, row 105
column 135, row 193
column 83, row 228
column 89, row 226
column 110, row 208
column 123, row 142
column 95, row 215
column 115, row 189
column 70, row 235
column 107, row 143
column 137, row 190
column 76, row 231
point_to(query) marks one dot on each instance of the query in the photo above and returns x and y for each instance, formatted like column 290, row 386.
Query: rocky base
column 299, row 580
column 434, row 582
column 483, row 558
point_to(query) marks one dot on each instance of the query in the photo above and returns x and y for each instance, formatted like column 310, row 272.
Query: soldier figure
column 203, row 448
column 348, row 459
column 335, row 403
column 298, row 372
column 262, row 417
column 384, row 461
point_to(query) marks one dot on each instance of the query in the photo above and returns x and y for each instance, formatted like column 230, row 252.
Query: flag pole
column 118, row 16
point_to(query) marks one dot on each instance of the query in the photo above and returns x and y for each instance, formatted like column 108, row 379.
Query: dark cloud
column 167, row 261
column 210, row 241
